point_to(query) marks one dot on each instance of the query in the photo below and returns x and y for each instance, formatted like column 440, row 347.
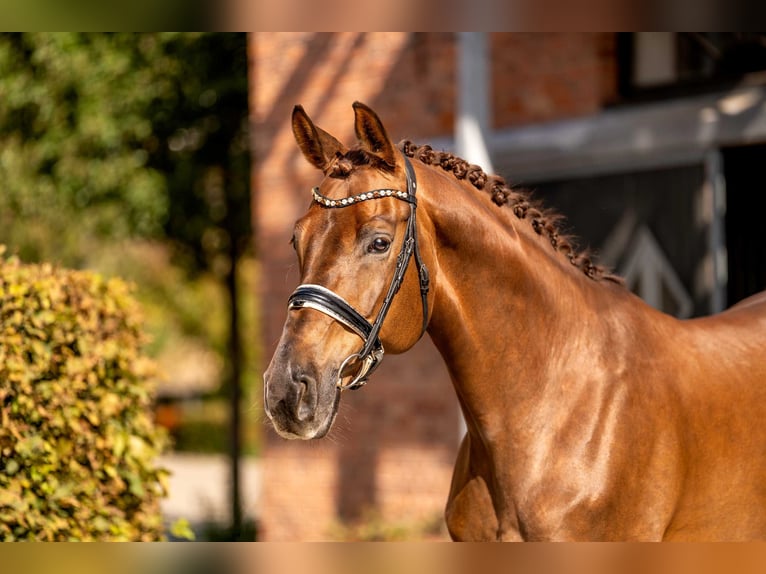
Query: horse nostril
column 307, row 397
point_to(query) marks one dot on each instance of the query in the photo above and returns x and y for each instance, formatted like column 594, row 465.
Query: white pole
column 473, row 113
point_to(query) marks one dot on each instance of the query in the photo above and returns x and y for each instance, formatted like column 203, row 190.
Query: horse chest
column 558, row 494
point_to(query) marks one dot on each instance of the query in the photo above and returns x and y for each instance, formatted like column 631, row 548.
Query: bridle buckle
column 368, row 364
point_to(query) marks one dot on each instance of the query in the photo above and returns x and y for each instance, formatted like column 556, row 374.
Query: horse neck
column 507, row 308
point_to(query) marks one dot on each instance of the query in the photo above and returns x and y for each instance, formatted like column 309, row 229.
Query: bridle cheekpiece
column 326, row 301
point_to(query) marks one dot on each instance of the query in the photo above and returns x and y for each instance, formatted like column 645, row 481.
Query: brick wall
column 394, row 441
column 541, row 77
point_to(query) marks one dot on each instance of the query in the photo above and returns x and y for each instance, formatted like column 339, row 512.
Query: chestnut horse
column 590, row 415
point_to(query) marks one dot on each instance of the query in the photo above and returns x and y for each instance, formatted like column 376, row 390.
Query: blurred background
column 128, row 154
column 168, row 160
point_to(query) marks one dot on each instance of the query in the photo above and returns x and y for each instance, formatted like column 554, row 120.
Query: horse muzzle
column 296, row 404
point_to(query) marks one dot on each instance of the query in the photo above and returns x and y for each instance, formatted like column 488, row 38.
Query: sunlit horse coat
column 590, row 415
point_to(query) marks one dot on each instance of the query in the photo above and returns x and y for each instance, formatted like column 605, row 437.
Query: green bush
column 77, row 436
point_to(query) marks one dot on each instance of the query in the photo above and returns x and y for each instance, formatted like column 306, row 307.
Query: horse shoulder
column 613, row 465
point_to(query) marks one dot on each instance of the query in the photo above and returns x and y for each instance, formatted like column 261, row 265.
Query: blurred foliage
column 179, row 309
column 204, row 428
column 372, row 527
column 116, row 15
column 182, row 530
column 74, row 128
column 200, row 140
column 112, row 136
column 128, row 154
column 77, row 437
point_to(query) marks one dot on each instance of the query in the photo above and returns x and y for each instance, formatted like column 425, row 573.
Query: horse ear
column 317, row 146
column 372, row 135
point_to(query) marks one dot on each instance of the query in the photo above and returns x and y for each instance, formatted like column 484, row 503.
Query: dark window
column 655, row 65
column 745, row 189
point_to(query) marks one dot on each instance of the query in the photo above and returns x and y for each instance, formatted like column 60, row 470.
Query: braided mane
column 544, row 221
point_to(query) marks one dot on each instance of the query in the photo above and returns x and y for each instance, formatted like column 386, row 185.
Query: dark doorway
column 614, row 215
column 745, row 229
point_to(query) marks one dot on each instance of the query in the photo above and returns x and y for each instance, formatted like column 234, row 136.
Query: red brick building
column 553, row 101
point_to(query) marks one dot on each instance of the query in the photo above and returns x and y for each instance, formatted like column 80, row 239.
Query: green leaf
column 11, row 467
column 182, row 529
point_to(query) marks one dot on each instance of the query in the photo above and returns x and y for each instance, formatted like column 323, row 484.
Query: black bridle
column 324, row 300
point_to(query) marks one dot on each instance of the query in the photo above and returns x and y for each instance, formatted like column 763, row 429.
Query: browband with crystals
column 374, row 194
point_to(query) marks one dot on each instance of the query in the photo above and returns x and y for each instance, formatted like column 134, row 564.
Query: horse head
column 359, row 294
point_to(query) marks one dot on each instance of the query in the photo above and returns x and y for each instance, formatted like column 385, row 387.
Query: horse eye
column 379, row 245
